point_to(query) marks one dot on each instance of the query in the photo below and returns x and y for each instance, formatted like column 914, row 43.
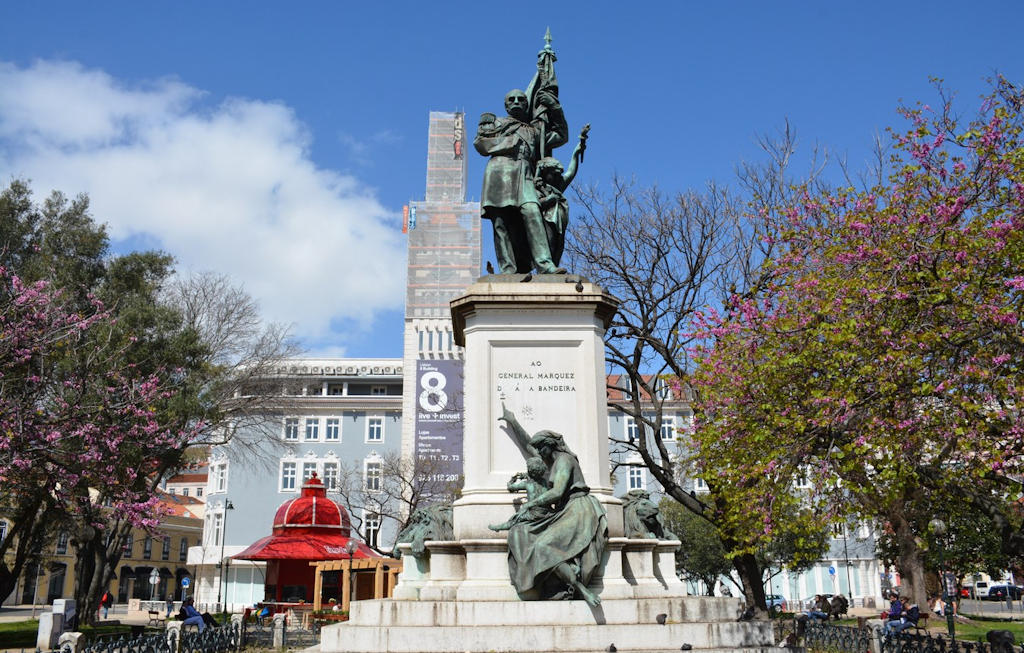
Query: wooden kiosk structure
column 385, row 577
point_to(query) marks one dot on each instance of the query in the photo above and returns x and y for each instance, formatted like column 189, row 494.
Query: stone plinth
column 538, row 349
column 415, row 573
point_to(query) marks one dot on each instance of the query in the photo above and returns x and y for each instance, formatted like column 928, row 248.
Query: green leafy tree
column 882, row 357
column 702, row 557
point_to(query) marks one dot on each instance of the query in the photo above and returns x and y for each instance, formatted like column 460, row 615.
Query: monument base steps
column 707, row 624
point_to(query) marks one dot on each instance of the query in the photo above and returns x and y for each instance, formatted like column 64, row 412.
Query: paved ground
column 118, row 613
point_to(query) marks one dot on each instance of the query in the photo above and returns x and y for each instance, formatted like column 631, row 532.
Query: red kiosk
column 308, row 528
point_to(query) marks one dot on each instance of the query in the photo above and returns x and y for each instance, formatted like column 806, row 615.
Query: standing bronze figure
column 513, row 188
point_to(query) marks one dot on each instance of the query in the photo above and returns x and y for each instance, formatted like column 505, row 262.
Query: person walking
column 106, row 601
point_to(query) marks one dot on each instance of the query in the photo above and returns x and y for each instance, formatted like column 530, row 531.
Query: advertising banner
column 439, row 419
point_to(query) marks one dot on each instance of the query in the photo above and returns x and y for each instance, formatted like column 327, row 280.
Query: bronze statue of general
column 513, row 189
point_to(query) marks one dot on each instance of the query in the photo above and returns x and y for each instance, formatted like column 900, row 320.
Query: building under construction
column 444, row 259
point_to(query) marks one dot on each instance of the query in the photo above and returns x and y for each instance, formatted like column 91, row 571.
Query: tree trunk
column 28, row 526
column 909, row 562
column 96, row 557
column 750, row 577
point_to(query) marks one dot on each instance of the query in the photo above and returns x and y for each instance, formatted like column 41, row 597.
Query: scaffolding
column 444, row 229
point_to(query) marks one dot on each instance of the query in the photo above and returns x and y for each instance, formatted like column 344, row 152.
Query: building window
column 172, row 491
column 62, row 543
column 375, row 429
column 668, row 428
column 308, row 469
column 662, row 390
column 3, row 530
column 184, row 491
column 312, row 428
column 372, row 529
column 700, row 485
column 220, row 476
column 165, row 554
column 147, row 548
column 129, row 544
column 373, row 476
column 291, row 428
column 217, row 530
column 378, row 389
column 636, row 477
column 287, row 476
column 632, row 432
column 331, row 476
column 199, row 491
column 183, row 550
column 333, row 432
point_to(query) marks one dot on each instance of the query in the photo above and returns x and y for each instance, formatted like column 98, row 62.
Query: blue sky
column 277, row 142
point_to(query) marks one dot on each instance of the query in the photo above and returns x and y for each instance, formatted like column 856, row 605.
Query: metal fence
column 212, row 640
column 125, row 643
column 907, row 642
column 827, row 638
column 258, row 634
column 837, row 639
column 289, row 633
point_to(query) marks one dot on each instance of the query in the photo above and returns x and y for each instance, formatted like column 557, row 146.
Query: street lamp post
column 846, row 559
column 223, row 537
column 350, row 547
column 154, row 579
column 938, row 528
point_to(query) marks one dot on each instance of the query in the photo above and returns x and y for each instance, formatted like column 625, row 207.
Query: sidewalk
column 118, row 613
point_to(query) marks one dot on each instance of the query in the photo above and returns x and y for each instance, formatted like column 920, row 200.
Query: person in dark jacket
column 907, row 619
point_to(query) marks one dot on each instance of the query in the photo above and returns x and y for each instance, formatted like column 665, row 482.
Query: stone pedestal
column 51, row 625
column 665, row 566
column 447, row 571
column 538, row 349
column 415, row 574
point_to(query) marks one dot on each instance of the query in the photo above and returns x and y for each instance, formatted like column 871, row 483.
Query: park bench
column 922, row 623
column 155, row 618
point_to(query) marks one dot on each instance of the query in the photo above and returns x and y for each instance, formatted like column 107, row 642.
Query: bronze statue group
column 523, row 185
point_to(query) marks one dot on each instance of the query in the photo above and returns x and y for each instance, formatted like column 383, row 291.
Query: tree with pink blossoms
column 881, row 360
column 111, row 369
column 77, row 435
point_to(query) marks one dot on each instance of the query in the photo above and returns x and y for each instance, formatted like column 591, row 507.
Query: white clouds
column 230, row 189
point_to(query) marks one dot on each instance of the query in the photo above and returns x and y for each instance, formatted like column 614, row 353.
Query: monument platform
column 535, row 346
column 707, row 624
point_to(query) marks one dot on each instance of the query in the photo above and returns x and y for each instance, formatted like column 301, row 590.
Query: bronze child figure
column 551, row 183
column 534, row 482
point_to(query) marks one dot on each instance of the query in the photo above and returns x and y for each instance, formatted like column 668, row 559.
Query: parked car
column 775, row 603
column 980, row 590
column 1000, row 592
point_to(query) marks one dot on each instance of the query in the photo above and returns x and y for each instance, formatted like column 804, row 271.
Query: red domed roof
column 309, row 527
column 312, row 511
